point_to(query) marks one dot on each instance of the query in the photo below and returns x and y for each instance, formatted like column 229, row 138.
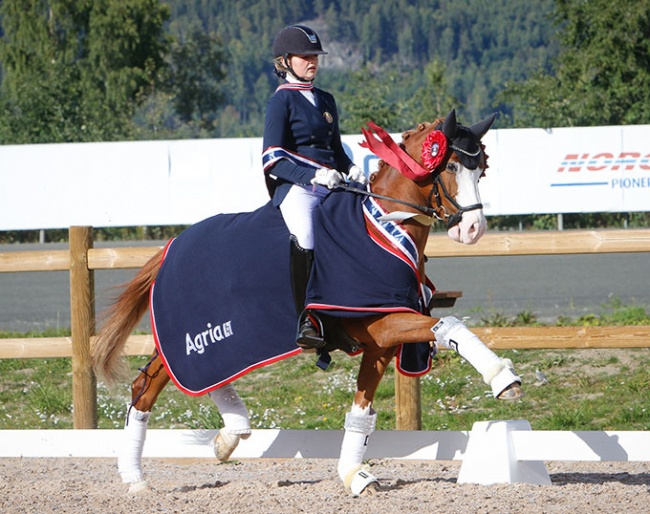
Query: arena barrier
column 492, row 452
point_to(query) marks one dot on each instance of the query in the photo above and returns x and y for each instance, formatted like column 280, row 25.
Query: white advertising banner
column 128, row 183
column 567, row 170
column 531, row 171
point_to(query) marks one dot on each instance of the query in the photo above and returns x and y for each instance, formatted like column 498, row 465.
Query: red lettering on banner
column 569, row 157
column 645, row 166
column 625, row 161
column 604, row 155
column 633, row 155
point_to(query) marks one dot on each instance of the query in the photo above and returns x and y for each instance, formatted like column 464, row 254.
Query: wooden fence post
column 408, row 413
column 82, row 322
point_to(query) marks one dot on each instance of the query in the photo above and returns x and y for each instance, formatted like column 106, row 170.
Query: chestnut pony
column 432, row 175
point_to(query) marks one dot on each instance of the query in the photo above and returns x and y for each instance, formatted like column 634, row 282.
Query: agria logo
column 605, row 161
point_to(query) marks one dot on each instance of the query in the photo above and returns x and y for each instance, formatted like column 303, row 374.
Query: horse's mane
column 419, row 128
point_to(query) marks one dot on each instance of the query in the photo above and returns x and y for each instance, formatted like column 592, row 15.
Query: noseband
column 454, row 218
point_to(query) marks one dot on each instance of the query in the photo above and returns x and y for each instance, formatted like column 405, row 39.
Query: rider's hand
column 327, row 177
column 356, row 175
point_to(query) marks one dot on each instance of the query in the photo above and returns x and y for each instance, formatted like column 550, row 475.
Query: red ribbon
column 383, row 146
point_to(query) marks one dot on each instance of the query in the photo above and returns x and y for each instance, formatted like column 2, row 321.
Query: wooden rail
column 82, row 260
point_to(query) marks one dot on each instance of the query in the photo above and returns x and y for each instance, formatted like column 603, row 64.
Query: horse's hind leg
column 144, row 392
column 235, row 419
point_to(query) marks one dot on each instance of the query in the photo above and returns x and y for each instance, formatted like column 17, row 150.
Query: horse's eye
column 452, row 167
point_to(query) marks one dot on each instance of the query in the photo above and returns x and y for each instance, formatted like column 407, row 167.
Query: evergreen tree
column 75, row 69
column 601, row 76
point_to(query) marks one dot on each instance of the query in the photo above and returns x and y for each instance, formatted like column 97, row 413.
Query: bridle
column 386, row 149
column 452, row 219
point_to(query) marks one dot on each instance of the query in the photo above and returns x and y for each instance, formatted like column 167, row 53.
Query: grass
column 593, row 389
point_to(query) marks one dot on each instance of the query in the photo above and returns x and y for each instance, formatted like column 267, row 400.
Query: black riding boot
column 301, row 260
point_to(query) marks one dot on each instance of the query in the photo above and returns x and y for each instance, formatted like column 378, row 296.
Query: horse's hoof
column 371, row 488
column 361, row 482
column 224, row 444
column 138, row 487
column 512, row 393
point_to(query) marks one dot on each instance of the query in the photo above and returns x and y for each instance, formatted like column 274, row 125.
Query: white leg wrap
column 129, row 460
column 235, row 420
column 232, row 410
column 359, row 424
column 504, row 376
column 452, row 334
column 358, row 480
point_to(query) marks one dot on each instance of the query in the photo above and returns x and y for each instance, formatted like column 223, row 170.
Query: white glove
column 356, row 175
column 327, row 177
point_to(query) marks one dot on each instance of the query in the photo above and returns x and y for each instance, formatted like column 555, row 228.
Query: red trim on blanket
column 382, row 310
column 218, row 384
column 409, row 373
column 386, row 244
column 369, row 310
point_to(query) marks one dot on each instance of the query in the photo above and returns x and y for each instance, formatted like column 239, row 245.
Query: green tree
column 602, row 74
column 196, row 71
column 73, row 70
column 367, row 97
column 432, row 100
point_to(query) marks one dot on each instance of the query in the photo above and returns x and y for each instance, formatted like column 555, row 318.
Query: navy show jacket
column 293, row 124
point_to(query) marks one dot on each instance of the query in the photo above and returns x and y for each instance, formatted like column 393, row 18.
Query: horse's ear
column 450, row 125
column 481, row 128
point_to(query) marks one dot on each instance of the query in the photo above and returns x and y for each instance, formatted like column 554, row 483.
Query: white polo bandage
column 359, row 424
column 232, row 410
column 452, row 334
column 129, row 459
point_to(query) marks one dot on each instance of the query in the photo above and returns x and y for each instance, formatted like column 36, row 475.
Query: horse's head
column 445, row 161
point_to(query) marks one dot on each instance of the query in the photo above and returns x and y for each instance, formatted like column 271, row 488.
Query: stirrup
column 310, row 330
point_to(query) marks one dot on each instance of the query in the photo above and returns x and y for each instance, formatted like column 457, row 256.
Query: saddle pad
column 222, row 303
column 354, row 275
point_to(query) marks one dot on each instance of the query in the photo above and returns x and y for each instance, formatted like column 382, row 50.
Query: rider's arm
column 277, row 134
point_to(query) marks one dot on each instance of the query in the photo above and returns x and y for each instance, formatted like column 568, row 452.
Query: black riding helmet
column 295, row 40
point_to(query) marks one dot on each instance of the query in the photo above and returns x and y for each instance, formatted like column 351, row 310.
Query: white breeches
column 297, row 210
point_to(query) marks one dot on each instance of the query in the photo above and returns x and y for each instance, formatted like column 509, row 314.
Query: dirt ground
column 34, row 485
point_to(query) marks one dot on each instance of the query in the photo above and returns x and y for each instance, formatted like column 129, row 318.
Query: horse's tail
column 122, row 317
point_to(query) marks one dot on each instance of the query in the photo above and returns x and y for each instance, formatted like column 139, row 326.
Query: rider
column 303, row 156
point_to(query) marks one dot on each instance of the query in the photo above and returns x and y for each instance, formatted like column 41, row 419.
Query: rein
column 422, row 208
column 452, row 219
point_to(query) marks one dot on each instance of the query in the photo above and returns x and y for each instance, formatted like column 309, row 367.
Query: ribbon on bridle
column 384, row 147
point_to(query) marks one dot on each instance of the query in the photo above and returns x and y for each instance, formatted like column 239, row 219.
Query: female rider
column 303, row 156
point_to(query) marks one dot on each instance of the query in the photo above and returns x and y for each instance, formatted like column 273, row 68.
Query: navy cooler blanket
column 222, row 304
column 355, row 274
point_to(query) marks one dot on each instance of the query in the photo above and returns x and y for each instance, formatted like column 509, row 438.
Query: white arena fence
column 492, row 452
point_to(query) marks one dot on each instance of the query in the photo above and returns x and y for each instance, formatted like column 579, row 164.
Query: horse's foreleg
column 361, row 420
column 499, row 374
column 449, row 333
column 235, row 419
column 144, row 392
